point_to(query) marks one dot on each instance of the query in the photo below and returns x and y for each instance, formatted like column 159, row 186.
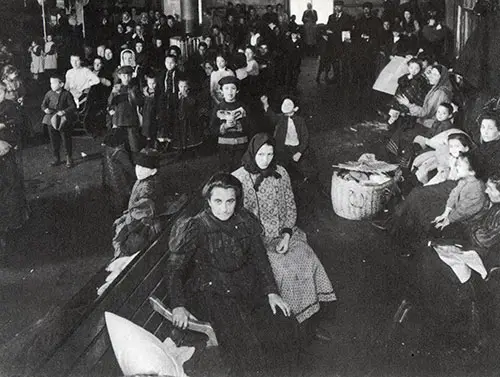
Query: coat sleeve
column 45, row 102
column 183, row 244
column 289, row 203
column 428, row 109
column 260, row 259
column 68, row 105
column 470, row 201
column 303, row 135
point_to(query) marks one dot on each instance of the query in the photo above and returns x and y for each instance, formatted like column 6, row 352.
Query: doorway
column 323, row 7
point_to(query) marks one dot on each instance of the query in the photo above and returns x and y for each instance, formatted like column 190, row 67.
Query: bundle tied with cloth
column 361, row 188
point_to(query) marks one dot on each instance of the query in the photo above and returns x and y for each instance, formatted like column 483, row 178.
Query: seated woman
column 441, row 91
column 218, row 271
column 139, row 225
column 412, row 219
column 446, row 300
column 13, row 203
column 267, row 193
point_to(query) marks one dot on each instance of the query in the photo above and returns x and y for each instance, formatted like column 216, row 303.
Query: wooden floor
column 368, row 276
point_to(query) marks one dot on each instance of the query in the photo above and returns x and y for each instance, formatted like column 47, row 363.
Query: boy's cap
column 147, row 158
column 229, row 80
column 368, row 5
column 125, row 70
column 288, row 106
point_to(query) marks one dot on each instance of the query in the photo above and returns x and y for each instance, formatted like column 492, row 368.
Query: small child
column 123, row 106
column 443, row 158
column 467, row 199
column 413, row 86
column 59, row 108
column 50, row 62
column 149, row 121
column 37, row 65
column 187, row 132
column 231, row 125
column 292, row 139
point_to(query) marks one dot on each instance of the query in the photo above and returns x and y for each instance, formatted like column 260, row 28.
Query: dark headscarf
column 249, row 163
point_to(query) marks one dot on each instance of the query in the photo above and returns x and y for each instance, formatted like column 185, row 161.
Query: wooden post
column 43, row 20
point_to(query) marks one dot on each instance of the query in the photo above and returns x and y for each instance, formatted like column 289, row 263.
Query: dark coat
column 58, row 102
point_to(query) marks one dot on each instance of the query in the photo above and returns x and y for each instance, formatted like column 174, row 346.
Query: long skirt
column 253, row 340
column 13, row 204
column 301, row 278
column 450, row 307
column 412, row 219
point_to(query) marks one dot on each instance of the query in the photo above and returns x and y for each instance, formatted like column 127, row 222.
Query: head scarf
column 122, row 62
column 444, row 82
column 249, row 163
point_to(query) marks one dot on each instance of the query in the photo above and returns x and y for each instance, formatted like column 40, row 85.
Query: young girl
column 50, row 55
column 446, row 163
column 149, row 110
column 467, row 199
column 36, row 52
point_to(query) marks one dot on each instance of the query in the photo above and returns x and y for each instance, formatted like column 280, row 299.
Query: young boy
column 187, row 132
column 292, row 139
column 59, row 108
column 230, row 123
column 123, row 106
column 149, row 121
column 166, row 97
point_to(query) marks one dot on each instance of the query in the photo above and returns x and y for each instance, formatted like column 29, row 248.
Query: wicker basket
column 354, row 201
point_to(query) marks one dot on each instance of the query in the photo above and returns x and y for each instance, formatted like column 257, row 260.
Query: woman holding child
column 413, row 218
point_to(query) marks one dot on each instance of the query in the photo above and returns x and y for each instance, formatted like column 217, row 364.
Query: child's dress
column 187, row 132
column 149, row 123
column 37, row 64
column 466, row 200
column 50, row 61
column 439, row 158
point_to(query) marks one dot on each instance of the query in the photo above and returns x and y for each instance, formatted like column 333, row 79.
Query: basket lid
column 367, row 164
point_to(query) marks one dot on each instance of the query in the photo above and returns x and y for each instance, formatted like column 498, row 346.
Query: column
column 189, row 15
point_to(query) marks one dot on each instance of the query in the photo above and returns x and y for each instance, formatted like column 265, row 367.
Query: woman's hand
column 443, row 223
column 403, row 100
column 4, row 147
column 440, row 218
column 276, row 301
column 282, row 246
column 180, row 317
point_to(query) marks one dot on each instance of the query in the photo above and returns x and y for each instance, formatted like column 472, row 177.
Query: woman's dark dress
column 219, row 271
column 13, row 204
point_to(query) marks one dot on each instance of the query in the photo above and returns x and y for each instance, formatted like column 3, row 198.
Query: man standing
column 339, row 29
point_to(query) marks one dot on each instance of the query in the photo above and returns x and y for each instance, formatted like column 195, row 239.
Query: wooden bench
column 73, row 341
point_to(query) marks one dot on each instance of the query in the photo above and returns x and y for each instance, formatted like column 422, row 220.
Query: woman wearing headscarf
column 218, row 271
column 441, row 91
column 267, row 193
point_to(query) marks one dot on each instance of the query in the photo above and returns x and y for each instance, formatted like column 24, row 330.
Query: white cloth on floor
column 460, row 261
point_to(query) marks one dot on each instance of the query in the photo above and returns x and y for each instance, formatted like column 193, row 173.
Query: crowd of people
column 241, row 258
